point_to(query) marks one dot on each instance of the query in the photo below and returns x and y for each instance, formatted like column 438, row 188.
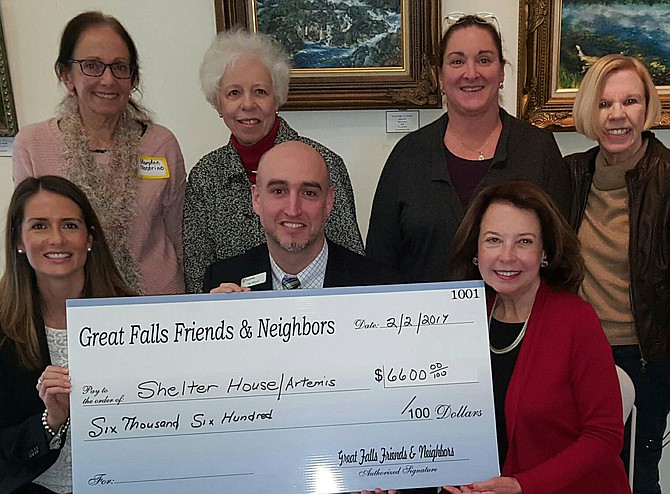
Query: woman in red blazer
column 556, row 392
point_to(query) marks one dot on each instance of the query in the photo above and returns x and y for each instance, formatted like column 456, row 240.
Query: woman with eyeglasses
column 103, row 140
column 432, row 174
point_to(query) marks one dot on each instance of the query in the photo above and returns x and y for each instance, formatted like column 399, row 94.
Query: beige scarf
column 109, row 180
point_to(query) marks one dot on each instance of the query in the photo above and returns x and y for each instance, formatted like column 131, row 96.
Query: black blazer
column 344, row 268
column 24, row 448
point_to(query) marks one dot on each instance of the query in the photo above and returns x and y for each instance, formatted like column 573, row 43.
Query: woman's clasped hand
column 54, row 389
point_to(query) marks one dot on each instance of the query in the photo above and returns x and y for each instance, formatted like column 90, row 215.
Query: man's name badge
column 256, row 279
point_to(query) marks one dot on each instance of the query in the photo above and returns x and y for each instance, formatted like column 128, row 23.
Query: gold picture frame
column 8, row 125
column 412, row 85
column 539, row 100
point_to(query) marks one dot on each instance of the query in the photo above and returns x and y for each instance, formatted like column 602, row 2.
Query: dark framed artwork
column 560, row 39
column 8, row 125
column 349, row 55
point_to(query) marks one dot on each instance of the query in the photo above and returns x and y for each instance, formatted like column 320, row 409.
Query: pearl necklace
column 515, row 343
column 481, row 151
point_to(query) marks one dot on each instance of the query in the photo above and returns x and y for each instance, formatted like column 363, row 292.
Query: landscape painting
column 593, row 28
column 349, row 54
column 560, row 39
column 328, row 34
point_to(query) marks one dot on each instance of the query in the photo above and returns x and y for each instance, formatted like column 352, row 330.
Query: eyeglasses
column 480, row 18
column 95, row 68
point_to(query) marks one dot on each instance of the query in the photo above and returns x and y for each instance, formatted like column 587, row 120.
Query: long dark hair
column 20, row 301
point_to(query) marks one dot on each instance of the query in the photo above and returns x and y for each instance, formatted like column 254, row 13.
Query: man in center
column 293, row 197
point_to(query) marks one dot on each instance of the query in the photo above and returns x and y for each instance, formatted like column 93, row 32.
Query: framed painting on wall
column 560, row 39
column 350, row 54
column 8, row 125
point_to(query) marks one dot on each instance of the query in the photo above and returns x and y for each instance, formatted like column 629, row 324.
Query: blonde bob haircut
column 586, row 107
column 230, row 46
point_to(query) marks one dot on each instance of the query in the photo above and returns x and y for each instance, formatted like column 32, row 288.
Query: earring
column 544, row 263
column 89, row 249
column 501, row 85
column 20, row 251
column 475, row 260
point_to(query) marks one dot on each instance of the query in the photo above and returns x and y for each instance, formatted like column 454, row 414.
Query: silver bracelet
column 49, row 430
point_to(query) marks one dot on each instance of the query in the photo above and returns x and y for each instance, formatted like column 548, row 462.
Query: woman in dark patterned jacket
column 245, row 78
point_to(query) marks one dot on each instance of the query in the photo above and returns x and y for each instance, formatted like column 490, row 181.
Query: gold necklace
column 481, row 151
column 515, row 343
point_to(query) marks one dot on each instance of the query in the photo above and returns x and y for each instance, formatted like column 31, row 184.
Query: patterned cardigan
column 219, row 221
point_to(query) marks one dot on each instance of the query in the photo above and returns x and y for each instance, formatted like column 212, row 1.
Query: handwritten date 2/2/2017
column 403, row 321
column 422, row 320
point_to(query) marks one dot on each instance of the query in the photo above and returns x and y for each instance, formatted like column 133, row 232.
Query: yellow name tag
column 152, row 167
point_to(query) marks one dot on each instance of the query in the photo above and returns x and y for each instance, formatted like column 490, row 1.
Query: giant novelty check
column 307, row 391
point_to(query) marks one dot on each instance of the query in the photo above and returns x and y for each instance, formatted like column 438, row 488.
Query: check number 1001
column 464, row 294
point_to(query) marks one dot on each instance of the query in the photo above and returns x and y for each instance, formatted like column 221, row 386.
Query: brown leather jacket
column 648, row 187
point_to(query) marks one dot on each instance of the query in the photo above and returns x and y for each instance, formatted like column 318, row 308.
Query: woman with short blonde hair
column 585, row 108
column 622, row 214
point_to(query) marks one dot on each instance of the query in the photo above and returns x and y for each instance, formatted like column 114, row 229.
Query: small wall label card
column 402, row 121
column 305, row 391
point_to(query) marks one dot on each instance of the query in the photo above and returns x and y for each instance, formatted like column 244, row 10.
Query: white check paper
column 308, row 391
